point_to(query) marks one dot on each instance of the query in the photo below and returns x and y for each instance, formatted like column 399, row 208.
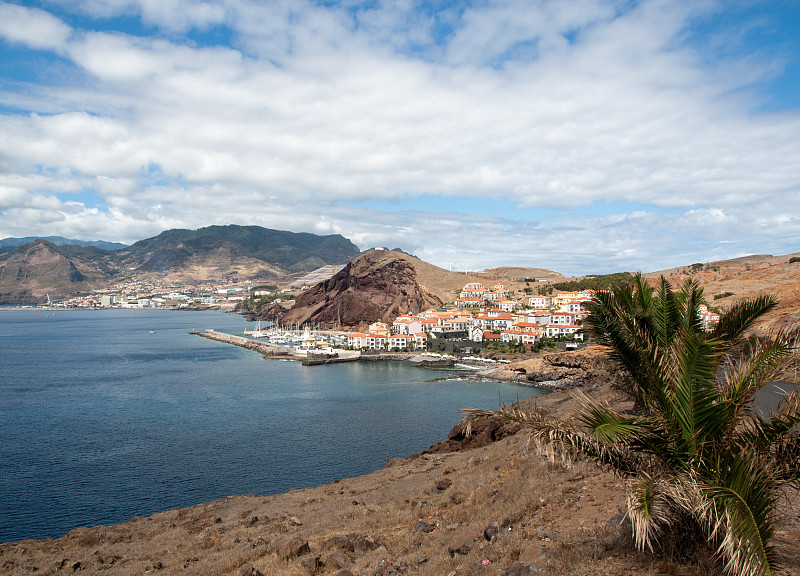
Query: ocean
column 110, row 414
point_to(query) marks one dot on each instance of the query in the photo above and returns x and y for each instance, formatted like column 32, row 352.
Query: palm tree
column 639, row 324
column 698, row 454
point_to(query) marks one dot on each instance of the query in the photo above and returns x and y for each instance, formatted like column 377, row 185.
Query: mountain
column 377, row 286
column 287, row 251
column 30, row 272
column 8, row 244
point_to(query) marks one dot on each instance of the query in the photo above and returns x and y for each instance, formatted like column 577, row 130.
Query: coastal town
column 479, row 316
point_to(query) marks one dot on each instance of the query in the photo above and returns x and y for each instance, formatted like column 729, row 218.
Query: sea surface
column 106, row 415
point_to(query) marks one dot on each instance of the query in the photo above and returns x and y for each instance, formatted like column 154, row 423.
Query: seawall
column 268, row 350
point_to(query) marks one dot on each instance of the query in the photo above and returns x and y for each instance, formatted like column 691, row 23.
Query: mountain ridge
column 28, row 273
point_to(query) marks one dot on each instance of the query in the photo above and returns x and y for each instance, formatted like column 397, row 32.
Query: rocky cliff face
column 377, row 286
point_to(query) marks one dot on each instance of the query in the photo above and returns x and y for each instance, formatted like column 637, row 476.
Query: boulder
column 462, row 542
column 292, row 547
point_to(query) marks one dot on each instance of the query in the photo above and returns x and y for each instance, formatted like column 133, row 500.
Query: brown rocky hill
column 31, row 272
column 377, row 286
column 726, row 281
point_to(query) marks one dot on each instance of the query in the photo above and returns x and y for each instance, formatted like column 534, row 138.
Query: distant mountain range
column 8, row 244
column 31, row 271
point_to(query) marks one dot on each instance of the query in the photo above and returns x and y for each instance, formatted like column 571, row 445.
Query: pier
column 273, row 351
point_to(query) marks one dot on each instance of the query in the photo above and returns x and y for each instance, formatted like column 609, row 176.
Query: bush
column 794, row 259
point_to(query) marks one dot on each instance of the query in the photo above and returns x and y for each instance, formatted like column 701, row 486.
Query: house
column 379, row 328
column 406, row 325
column 377, row 341
column 473, row 290
column 562, row 318
column 518, row 336
column 357, row 340
column 539, row 301
column 554, row 331
column 420, row 340
column 506, row 305
column 529, row 327
column 491, row 336
column 401, row 341
column 574, row 305
column 470, row 302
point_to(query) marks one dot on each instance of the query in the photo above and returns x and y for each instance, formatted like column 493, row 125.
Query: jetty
column 266, row 349
column 275, row 352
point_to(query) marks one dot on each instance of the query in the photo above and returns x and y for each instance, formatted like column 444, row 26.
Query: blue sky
column 582, row 136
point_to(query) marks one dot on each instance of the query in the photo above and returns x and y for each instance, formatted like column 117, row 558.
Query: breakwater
column 268, row 350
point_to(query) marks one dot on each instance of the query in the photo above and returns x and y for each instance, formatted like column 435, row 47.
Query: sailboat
column 257, row 333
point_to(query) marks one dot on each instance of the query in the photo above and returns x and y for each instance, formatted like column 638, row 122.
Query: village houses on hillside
column 482, row 315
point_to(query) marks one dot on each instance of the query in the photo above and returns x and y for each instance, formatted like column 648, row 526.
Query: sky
column 583, row 136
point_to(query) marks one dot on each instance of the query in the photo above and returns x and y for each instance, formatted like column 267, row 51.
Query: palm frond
column 648, row 509
column 740, row 516
column 695, row 394
column 741, row 316
column 692, row 297
column 563, row 438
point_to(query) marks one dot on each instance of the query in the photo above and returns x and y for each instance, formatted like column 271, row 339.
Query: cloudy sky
column 577, row 135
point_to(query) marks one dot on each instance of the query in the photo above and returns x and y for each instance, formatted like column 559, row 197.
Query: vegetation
column 544, row 343
column 702, row 465
column 723, row 295
column 595, row 282
column 794, row 259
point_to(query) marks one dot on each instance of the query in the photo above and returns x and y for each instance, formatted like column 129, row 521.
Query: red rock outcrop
column 376, row 286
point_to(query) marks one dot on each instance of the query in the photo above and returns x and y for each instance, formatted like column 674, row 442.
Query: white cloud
column 32, row 27
column 547, row 105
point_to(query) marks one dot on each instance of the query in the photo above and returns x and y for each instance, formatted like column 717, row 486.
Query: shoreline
column 477, row 373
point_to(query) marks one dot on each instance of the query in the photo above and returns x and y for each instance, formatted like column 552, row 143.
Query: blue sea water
column 106, row 415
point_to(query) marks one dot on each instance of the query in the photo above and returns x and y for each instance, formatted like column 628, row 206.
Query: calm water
column 105, row 415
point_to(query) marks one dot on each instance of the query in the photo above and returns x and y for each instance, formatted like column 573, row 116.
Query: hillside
column 725, row 281
column 31, row 271
column 285, row 251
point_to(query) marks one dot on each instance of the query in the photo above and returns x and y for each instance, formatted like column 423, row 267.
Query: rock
column 461, row 543
column 343, row 573
column 423, row 526
column 443, row 484
column 295, row 521
column 249, row 570
column 292, row 547
column 362, row 544
column 253, row 521
column 311, row 563
column 337, row 560
column 491, row 531
column 357, row 543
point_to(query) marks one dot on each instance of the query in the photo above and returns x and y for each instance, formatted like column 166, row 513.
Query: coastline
column 551, row 372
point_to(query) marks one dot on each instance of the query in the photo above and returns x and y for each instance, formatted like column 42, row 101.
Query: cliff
column 377, row 286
